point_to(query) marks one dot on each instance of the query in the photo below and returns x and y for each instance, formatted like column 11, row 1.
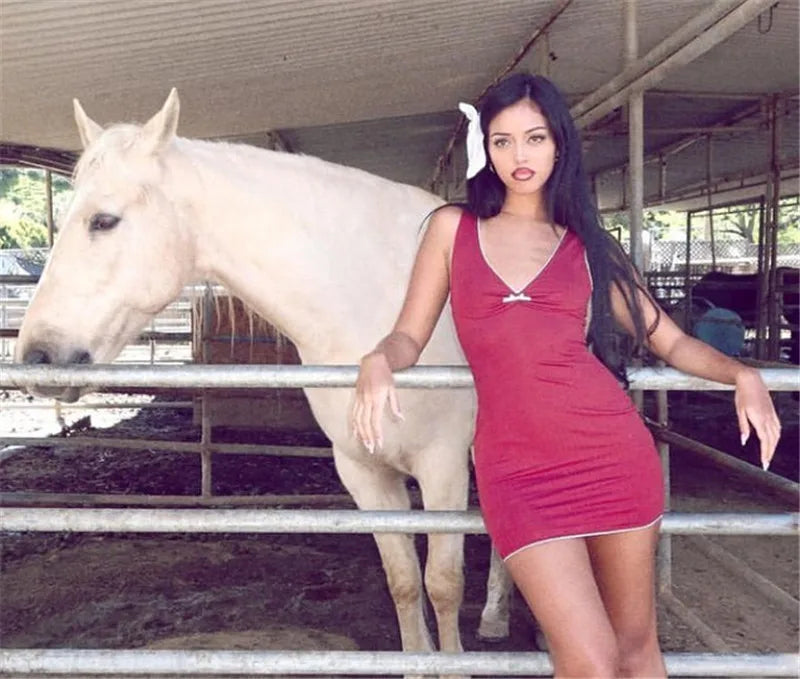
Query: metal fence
column 733, row 256
column 85, row 662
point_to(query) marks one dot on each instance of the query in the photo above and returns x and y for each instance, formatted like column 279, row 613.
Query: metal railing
column 175, row 663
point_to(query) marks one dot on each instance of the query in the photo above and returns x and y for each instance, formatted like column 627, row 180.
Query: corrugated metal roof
column 370, row 83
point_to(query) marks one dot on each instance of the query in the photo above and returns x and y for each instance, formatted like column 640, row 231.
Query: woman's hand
column 374, row 387
column 754, row 405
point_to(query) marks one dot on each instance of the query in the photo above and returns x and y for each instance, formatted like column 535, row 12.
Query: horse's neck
column 273, row 232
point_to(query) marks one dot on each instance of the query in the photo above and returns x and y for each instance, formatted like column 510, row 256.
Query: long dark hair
column 569, row 203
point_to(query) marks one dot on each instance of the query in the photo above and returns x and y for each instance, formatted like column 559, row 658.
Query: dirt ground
column 327, row 591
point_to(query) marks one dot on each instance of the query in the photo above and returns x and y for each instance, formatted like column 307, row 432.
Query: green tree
column 22, row 234
column 745, row 222
column 23, row 206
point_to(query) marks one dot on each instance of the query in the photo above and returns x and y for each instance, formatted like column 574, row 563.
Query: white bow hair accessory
column 476, row 154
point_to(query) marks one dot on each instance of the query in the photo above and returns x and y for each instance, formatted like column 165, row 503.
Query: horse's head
column 123, row 252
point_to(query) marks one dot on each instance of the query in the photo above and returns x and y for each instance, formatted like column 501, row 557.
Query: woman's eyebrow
column 508, row 134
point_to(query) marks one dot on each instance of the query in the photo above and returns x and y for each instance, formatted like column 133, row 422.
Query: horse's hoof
column 493, row 630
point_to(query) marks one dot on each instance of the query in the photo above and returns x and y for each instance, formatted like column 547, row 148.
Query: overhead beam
column 656, row 155
column 697, row 190
column 697, row 129
column 38, row 157
column 694, row 39
column 657, row 55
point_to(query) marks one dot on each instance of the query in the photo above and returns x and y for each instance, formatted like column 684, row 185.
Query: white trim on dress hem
column 584, row 535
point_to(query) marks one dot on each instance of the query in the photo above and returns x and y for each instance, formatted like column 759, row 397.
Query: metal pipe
column 699, row 45
column 784, row 488
column 635, row 143
column 775, row 162
column 709, row 163
column 664, row 555
column 23, row 499
column 122, row 662
column 687, row 308
column 684, row 129
column 275, row 376
column 687, row 32
column 144, row 336
column 128, row 405
column 19, row 279
column 635, row 174
column 165, row 445
column 205, row 447
column 672, row 94
column 763, row 229
column 55, row 519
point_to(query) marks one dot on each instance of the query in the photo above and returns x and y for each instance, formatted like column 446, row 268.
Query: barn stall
column 710, row 120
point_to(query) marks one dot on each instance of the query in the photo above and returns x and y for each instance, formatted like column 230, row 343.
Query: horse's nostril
column 36, row 356
column 81, row 357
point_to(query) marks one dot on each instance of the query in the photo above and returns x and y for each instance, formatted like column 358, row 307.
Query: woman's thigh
column 558, row 583
column 624, row 567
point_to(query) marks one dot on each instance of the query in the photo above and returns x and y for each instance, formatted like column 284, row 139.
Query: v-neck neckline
column 535, row 276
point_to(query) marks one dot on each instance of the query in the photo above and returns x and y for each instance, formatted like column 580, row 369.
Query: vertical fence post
column 773, row 317
column 664, row 557
column 205, row 415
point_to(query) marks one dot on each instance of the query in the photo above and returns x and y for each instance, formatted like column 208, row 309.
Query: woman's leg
column 624, row 567
column 557, row 581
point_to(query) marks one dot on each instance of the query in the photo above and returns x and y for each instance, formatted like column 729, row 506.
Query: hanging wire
column 761, row 29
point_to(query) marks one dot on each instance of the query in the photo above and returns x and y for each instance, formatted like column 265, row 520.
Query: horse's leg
column 443, row 477
column 378, row 487
column 494, row 617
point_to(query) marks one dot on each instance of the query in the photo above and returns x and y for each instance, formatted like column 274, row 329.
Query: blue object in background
column 722, row 329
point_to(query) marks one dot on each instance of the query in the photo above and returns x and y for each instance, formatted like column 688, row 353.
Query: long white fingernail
column 744, row 438
column 765, row 464
column 400, row 416
column 370, row 447
column 379, row 444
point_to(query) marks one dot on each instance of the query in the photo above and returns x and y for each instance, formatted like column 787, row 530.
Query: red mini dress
column 560, row 449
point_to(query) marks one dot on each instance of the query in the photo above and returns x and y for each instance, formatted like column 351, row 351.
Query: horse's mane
column 119, row 139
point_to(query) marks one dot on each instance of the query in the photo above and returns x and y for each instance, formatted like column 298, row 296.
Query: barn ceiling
column 375, row 83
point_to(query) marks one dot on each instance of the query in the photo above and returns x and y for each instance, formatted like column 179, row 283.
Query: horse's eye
column 103, row 222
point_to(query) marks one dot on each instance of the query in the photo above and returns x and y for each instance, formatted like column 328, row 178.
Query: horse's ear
column 160, row 129
column 87, row 128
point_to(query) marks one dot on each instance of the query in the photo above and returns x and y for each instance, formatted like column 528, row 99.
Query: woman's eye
column 536, row 138
column 501, row 143
column 103, row 222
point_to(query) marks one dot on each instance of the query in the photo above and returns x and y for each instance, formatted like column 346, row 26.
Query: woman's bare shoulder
column 444, row 221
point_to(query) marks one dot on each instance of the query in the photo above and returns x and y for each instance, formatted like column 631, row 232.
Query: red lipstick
column 522, row 174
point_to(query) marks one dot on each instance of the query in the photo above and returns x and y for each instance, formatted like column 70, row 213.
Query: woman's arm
column 426, row 295
column 690, row 355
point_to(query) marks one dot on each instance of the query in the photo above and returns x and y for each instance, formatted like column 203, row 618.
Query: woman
column 568, row 477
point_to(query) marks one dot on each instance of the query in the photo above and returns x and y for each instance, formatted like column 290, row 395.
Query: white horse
column 321, row 251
